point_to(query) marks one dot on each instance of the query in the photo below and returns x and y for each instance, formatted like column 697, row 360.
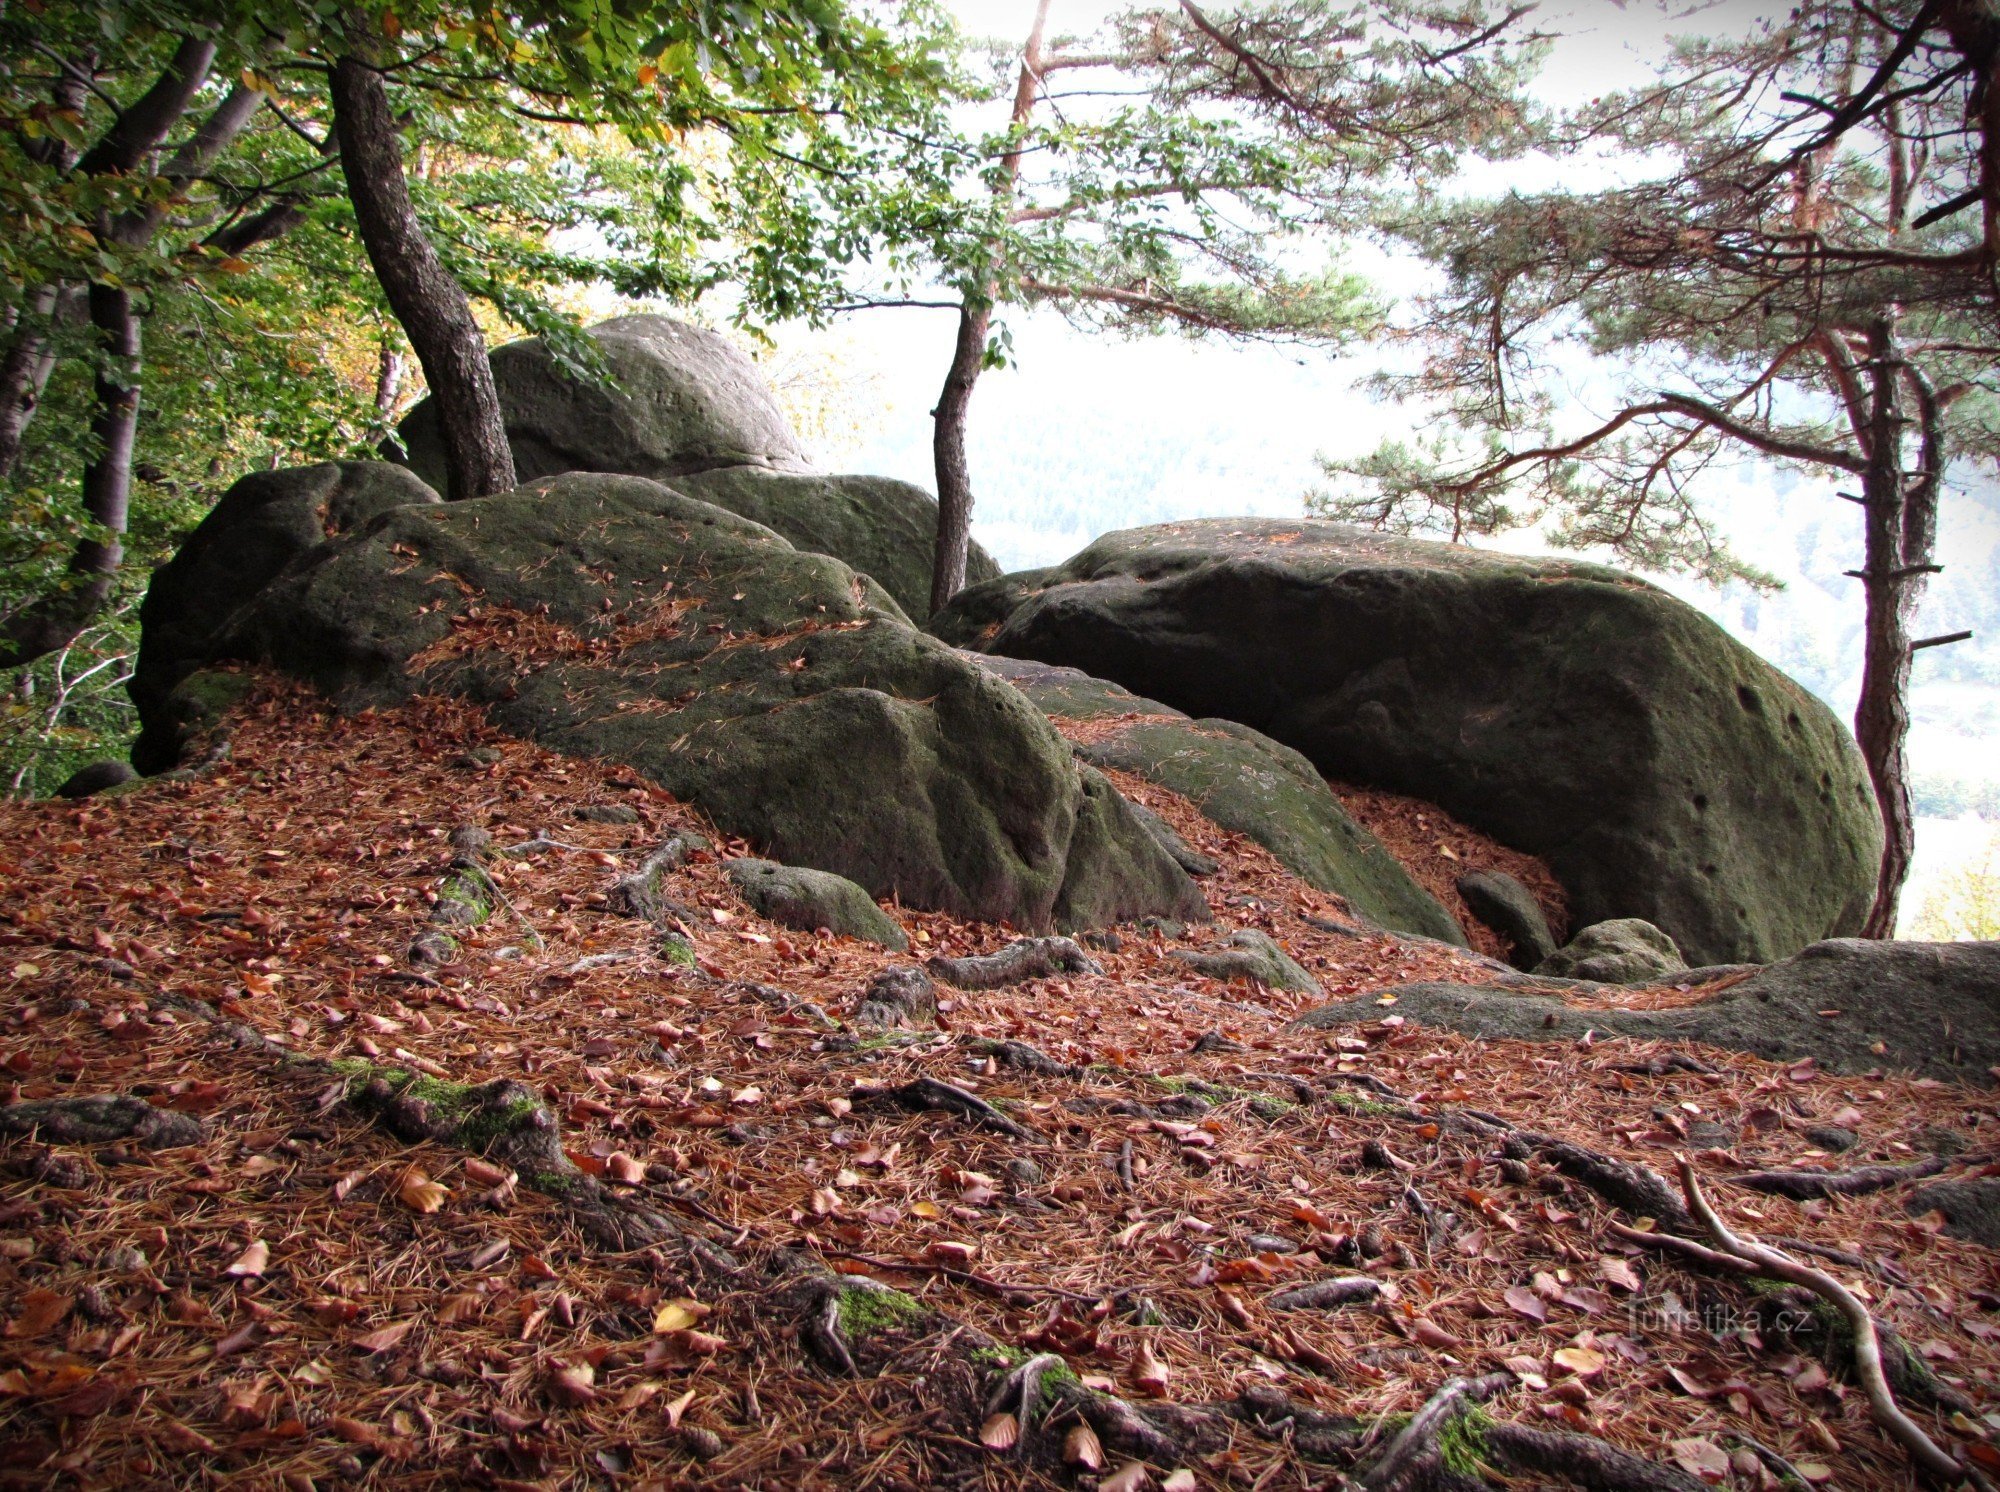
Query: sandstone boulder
column 787, row 696
column 1849, row 1003
column 1242, row 780
column 261, row 525
column 1659, row 768
column 1625, row 950
column 690, row 409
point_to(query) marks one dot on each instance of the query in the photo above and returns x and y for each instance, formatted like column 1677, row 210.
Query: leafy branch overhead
column 1794, row 262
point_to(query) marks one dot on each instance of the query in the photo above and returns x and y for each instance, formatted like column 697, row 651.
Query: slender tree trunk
column 24, row 372
column 430, row 304
column 1892, row 583
column 954, row 475
column 52, row 621
column 388, row 381
column 968, row 358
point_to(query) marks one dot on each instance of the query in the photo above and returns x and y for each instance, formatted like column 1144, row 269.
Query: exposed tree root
column 1024, row 1058
column 898, row 999
column 929, row 1095
column 1804, row 1186
column 98, row 1119
column 503, row 1119
column 1764, row 1260
column 1026, row 958
column 1415, row 1450
column 1638, row 1189
column 1582, row 1459
column 640, row 894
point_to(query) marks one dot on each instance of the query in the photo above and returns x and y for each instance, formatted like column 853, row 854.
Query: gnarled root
column 100, row 1118
column 1027, row 958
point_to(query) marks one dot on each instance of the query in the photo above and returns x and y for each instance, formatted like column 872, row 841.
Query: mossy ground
column 865, row 1310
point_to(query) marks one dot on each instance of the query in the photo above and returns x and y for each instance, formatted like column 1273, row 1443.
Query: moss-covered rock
column 96, row 777
column 1113, row 875
column 785, row 695
column 681, row 399
column 793, row 896
column 196, row 707
column 1625, row 950
column 1502, row 903
column 1244, row 781
column 1660, row 768
column 884, row 528
column 262, row 524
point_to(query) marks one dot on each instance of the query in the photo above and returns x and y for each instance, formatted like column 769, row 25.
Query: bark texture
column 1900, row 524
column 427, row 300
column 968, row 358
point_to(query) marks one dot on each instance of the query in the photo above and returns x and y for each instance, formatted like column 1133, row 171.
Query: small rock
column 1942, row 1139
column 1711, row 1136
column 608, row 813
column 471, row 840
column 1625, row 950
column 476, row 759
column 1025, row 1171
column 1832, row 1137
column 1510, row 909
column 1971, row 1208
column 796, row 897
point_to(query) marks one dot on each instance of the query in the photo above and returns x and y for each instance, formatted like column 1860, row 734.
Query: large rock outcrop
column 688, row 408
column 1661, row 769
column 784, row 694
column 685, row 400
column 882, row 527
column 1850, row 1004
column 1242, row 780
column 262, row 524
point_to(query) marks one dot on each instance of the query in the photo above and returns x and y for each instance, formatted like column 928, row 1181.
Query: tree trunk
column 53, row 621
column 430, row 304
column 968, row 357
column 24, row 372
column 954, row 475
column 1891, row 586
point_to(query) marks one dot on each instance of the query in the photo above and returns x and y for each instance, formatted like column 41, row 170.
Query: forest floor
column 302, row 1299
